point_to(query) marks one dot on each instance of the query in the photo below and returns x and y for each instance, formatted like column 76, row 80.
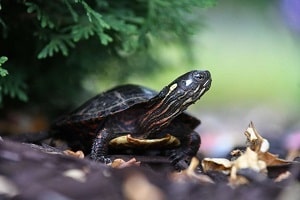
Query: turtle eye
column 199, row 76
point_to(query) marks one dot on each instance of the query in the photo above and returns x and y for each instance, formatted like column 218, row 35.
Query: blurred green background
column 251, row 48
column 253, row 51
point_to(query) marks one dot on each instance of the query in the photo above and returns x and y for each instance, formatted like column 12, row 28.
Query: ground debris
column 137, row 186
column 190, row 174
column 120, row 163
column 30, row 171
column 254, row 164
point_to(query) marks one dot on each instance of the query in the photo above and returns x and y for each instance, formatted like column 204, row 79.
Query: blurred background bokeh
column 253, row 51
column 251, row 48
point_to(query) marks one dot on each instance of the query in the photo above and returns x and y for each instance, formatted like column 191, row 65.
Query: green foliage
column 12, row 87
column 3, row 72
column 58, row 44
column 110, row 21
column 41, row 15
column 54, row 46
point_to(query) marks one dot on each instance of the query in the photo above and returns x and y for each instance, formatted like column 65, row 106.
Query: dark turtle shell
column 112, row 102
column 80, row 127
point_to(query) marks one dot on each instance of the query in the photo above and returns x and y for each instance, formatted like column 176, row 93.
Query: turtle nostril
column 207, row 73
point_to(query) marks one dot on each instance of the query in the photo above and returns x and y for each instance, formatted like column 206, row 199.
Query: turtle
column 134, row 118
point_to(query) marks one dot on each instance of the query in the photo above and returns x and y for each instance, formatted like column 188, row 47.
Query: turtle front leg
column 100, row 147
column 185, row 151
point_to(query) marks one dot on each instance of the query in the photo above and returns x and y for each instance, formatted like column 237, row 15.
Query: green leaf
column 104, row 38
column 80, row 32
column 14, row 87
column 3, row 72
column 45, row 21
column 41, row 16
column 54, row 46
column 31, row 7
column 72, row 11
column 3, row 59
column 95, row 17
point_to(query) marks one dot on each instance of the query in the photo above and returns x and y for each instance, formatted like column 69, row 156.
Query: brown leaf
column 120, row 163
column 283, row 176
column 77, row 154
column 249, row 159
column 216, row 164
column 255, row 141
column 272, row 159
column 189, row 174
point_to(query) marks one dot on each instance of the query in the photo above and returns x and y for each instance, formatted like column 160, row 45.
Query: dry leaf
column 77, row 154
column 216, row 164
column 120, row 163
column 261, row 146
column 249, row 159
column 255, row 141
column 272, row 159
column 256, row 157
column 283, row 176
column 189, row 174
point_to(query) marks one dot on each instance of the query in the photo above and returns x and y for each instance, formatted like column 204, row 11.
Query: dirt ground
column 29, row 171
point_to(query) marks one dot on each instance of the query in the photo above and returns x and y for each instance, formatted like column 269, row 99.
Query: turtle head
column 174, row 99
column 187, row 89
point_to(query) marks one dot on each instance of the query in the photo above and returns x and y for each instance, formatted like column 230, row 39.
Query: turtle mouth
column 207, row 84
column 205, row 88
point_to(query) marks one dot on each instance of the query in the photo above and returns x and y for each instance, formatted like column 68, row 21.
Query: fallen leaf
column 216, row 164
column 77, row 154
column 255, row 141
column 120, row 163
column 249, row 159
column 283, row 176
column 189, row 174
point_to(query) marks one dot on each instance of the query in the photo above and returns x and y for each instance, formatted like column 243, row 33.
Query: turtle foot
column 178, row 160
column 102, row 159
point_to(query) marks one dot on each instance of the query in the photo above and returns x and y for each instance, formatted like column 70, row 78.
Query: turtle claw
column 180, row 165
column 177, row 159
